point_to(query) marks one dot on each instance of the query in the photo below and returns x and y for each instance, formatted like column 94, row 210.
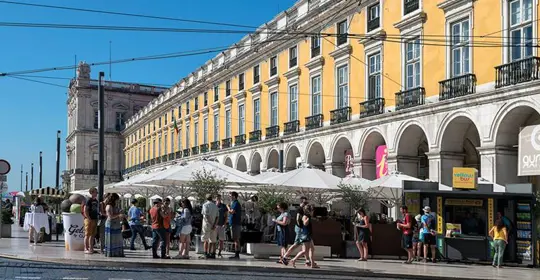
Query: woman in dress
column 185, row 234
column 308, row 247
column 36, row 207
column 114, row 243
column 282, row 223
column 364, row 233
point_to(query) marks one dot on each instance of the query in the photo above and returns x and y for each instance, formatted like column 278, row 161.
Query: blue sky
column 31, row 113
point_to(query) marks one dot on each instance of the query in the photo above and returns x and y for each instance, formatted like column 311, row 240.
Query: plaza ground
column 53, row 254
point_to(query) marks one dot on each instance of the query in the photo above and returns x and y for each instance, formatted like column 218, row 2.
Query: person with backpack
column 428, row 234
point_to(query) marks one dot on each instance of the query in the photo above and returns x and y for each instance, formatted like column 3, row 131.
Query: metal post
column 58, row 159
column 101, row 143
column 26, row 181
column 32, row 177
column 40, row 170
column 22, row 177
column 281, row 156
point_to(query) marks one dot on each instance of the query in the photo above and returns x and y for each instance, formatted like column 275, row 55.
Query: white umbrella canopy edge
column 305, row 177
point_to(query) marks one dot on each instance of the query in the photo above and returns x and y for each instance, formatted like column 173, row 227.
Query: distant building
column 122, row 100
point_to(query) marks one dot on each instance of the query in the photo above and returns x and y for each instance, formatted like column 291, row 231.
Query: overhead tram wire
column 39, row 82
column 127, row 14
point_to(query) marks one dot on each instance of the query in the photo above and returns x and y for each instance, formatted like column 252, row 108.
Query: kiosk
column 465, row 216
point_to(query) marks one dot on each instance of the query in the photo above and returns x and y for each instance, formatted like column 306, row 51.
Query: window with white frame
column 120, row 120
column 256, row 74
column 241, row 81
column 374, row 17
column 273, row 109
column 228, row 124
column 227, row 88
column 196, row 135
column 187, row 108
column 316, row 95
column 216, row 127
column 293, row 57
column 293, row 102
column 188, row 144
column 521, row 29
column 412, row 63
column 205, row 131
column 241, row 119
column 374, row 76
column 460, row 48
column 257, row 114
column 273, row 66
column 216, row 93
column 343, row 86
column 315, row 46
column 342, row 32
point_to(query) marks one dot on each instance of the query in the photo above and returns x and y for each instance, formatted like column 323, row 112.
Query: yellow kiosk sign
column 464, row 178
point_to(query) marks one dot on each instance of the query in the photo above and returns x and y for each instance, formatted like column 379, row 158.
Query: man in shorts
column 406, row 227
column 222, row 220
column 428, row 234
column 210, row 218
column 91, row 216
column 235, row 221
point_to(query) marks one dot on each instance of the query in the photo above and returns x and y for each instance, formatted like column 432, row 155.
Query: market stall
column 466, row 212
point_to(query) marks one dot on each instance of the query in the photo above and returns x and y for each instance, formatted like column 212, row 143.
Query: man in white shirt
column 210, row 214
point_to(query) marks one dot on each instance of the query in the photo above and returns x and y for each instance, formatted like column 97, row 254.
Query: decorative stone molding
column 274, row 81
column 413, row 21
column 341, row 52
column 216, row 105
column 255, row 91
column 204, row 110
column 240, row 96
column 449, row 5
column 293, row 73
column 374, row 40
column 315, row 62
column 227, row 100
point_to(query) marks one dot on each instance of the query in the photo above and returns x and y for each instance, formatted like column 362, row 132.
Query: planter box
column 6, row 231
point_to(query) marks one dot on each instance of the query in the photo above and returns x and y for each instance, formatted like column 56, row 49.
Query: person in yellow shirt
column 500, row 240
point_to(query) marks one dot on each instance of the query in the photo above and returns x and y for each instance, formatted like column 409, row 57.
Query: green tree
column 354, row 196
column 269, row 198
column 206, row 182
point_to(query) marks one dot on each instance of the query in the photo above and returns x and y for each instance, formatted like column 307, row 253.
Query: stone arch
column 291, row 154
column 272, row 159
column 371, row 139
column 228, row 162
column 459, row 142
column 448, row 119
column 241, row 164
column 340, row 148
column 255, row 163
column 412, row 145
column 506, row 139
column 315, row 155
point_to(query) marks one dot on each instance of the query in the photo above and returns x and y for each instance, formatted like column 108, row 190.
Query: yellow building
column 438, row 83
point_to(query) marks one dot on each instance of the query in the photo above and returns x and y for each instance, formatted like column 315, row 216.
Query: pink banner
column 381, row 159
column 348, row 162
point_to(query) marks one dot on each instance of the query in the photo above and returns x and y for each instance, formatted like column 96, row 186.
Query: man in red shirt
column 158, row 230
column 406, row 228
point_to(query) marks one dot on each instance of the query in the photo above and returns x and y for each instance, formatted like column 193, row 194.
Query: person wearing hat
column 135, row 218
column 428, row 234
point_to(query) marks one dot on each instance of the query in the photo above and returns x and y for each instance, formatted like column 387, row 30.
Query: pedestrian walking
column 282, row 223
column 499, row 234
column 235, row 221
column 158, row 230
column 185, row 234
column 135, row 219
column 406, row 227
column 306, row 239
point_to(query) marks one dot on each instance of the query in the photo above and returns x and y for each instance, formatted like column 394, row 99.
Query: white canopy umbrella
column 155, row 197
column 264, row 176
column 390, row 187
column 356, row 181
column 20, row 194
column 306, row 177
column 162, row 177
column 185, row 174
column 82, row 192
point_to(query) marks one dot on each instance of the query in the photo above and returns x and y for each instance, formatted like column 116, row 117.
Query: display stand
column 524, row 231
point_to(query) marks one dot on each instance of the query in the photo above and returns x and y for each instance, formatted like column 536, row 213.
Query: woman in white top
column 37, row 207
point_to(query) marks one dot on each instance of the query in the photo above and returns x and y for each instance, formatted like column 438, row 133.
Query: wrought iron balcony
column 373, row 24
column 178, row 154
column 410, row 6
column 195, row 150
column 457, row 86
column 240, row 139
column 226, row 143
column 314, row 121
column 255, row 136
column 204, row 148
column 410, row 98
column 164, row 158
column 516, row 72
column 214, row 146
column 341, row 115
column 372, row 107
column 171, row 156
column 187, row 152
column 272, row 132
column 291, row 127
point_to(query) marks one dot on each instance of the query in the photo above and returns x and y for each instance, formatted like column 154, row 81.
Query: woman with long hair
column 306, row 238
column 114, row 243
column 185, row 234
column 500, row 240
column 363, row 236
column 282, row 223
column 101, row 222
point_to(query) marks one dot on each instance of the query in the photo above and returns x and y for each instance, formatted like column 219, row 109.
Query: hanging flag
column 175, row 126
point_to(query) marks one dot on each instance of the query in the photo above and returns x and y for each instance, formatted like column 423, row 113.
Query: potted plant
column 7, row 221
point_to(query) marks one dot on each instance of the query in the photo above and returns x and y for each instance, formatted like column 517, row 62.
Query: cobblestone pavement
column 19, row 270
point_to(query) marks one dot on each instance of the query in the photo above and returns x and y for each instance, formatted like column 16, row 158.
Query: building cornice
column 315, row 62
column 272, row 82
column 293, row 73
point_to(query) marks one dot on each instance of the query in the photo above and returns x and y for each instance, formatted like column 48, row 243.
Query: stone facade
column 122, row 100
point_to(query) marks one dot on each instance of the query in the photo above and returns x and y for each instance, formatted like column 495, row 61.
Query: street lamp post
column 40, row 170
column 101, row 128
column 58, row 159
column 32, row 177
